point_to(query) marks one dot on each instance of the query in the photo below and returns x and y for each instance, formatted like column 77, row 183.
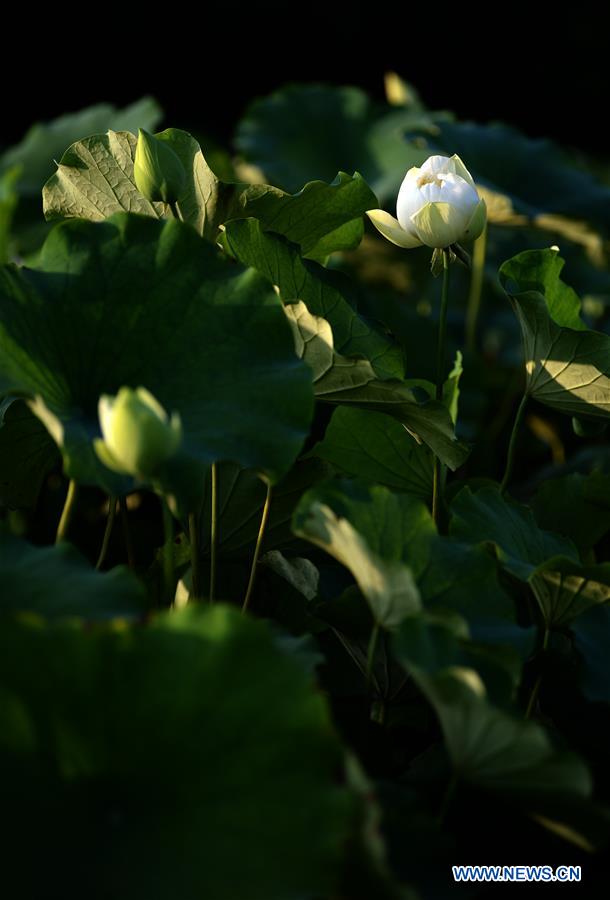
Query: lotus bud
column 438, row 205
column 158, row 171
column 138, row 435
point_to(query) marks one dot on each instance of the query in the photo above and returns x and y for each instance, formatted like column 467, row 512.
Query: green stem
column 213, row 532
column 168, row 552
column 67, row 511
column 194, row 542
column 536, row 689
column 176, row 212
column 107, row 531
column 442, row 329
column 131, row 560
column 476, row 289
column 510, row 459
column 257, row 549
column 436, row 477
column 370, row 657
column 440, row 377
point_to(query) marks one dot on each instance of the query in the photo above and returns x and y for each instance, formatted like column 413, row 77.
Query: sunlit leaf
column 365, row 530
column 95, row 179
column 326, row 294
column 567, row 365
column 321, row 218
column 352, row 382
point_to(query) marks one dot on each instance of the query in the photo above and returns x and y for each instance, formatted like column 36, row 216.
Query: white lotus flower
column 438, row 205
column 138, row 435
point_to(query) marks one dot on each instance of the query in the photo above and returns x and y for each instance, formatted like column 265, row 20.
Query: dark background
column 539, row 68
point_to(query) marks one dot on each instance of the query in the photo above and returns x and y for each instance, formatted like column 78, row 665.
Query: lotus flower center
column 430, row 178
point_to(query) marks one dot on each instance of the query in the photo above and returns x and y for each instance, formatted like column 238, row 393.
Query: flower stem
column 442, row 329
column 257, row 549
column 107, row 531
column 440, row 377
column 370, row 657
column 536, row 689
column 67, row 511
column 510, row 459
column 194, row 542
column 131, row 559
column 476, row 289
column 168, row 553
column 213, row 531
column 436, row 478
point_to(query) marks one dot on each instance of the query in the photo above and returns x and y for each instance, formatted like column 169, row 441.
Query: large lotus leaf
column 240, row 500
column 325, row 293
column 44, row 143
column 567, row 365
column 430, row 642
column 376, row 447
column 321, row 218
column 365, row 528
column 537, row 176
column 95, row 179
column 398, row 528
column 464, row 578
column 350, row 133
column 493, row 750
column 487, row 515
column 27, row 454
column 241, row 497
column 352, row 382
column 57, row 581
column 575, row 505
column 488, row 746
column 549, row 562
column 433, row 641
column 138, row 301
column 145, row 762
column 540, row 271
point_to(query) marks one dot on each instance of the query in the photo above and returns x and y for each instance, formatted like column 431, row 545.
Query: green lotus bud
column 137, row 434
column 438, row 205
column 158, row 172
